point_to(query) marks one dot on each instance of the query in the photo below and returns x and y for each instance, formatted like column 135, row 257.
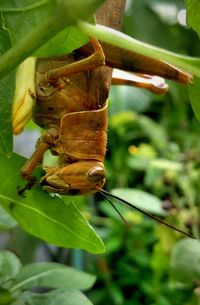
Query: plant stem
column 116, row 38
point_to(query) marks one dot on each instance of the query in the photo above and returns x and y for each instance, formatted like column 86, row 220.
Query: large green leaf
column 9, row 266
column 5, row 41
column 6, row 94
column 193, row 14
column 185, row 261
column 55, row 297
column 42, row 215
column 6, row 221
column 42, row 21
column 51, row 275
column 26, row 15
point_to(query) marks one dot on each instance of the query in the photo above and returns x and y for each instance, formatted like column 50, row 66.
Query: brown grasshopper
column 73, row 111
column 71, row 106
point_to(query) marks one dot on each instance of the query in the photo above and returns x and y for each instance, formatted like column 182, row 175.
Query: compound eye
column 96, row 174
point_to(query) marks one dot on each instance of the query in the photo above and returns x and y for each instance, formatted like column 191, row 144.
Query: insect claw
column 28, row 186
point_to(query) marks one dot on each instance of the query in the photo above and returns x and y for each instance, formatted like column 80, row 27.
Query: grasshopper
column 71, row 106
column 72, row 109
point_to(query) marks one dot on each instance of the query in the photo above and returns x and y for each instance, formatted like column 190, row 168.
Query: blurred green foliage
column 153, row 145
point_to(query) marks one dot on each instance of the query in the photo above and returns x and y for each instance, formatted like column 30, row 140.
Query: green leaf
column 42, row 21
column 63, row 43
column 6, row 95
column 27, row 17
column 5, row 296
column 141, row 199
column 55, row 297
column 9, row 266
column 185, row 261
column 194, row 94
column 51, row 275
column 193, row 14
column 6, row 221
column 5, row 41
column 42, row 215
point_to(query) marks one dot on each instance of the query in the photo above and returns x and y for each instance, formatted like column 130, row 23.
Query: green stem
column 116, row 38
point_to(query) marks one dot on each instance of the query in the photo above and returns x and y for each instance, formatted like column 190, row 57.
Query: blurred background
column 153, row 158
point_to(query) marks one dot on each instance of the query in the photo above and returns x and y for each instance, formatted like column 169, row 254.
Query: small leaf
column 194, row 94
column 141, row 199
column 42, row 215
column 52, row 275
column 185, row 261
column 55, row 297
column 9, row 266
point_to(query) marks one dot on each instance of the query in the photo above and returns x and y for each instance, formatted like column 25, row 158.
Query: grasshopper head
column 79, row 178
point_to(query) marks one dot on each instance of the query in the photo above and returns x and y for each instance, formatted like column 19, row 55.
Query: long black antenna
column 115, row 208
column 104, row 193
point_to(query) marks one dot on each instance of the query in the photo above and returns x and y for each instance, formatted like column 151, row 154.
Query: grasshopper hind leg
column 95, row 60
